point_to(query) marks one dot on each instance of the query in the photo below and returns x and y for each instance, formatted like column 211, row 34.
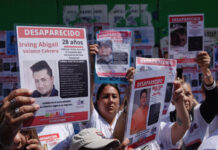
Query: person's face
column 182, row 39
column 105, row 50
column 143, row 99
column 108, row 102
column 188, row 97
column 20, row 141
column 43, row 82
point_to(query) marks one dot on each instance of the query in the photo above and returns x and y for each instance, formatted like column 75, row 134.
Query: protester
column 199, row 115
column 56, row 136
column 15, row 108
column 93, row 139
column 26, row 139
column 107, row 109
column 44, row 80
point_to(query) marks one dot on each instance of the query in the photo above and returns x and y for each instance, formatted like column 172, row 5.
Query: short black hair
column 143, row 91
column 40, row 65
column 106, row 42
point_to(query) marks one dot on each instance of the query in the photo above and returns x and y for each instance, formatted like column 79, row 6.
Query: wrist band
column 211, row 86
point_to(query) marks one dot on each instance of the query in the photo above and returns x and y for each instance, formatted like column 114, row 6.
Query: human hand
column 178, row 93
column 130, row 74
column 124, row 145
column 16, row 108
column 34, row 144
column 203, row 60
column 93, row 50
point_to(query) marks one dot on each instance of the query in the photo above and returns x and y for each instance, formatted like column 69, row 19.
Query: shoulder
column 36, row 94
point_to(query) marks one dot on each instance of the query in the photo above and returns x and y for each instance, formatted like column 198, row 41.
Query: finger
column 22, row 118
column 177, row 84
column 28, row 108
column 34, row 147
column 16, row 122
column 22, row 100
column 33, row 141
column 19, row 92
column 130, row 71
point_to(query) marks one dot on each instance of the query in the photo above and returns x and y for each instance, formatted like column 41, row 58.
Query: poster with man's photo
column 147, row 64
column 215, row 56
column 54, row 64
column 113, row 58
column 145, row 107
column 186, row 36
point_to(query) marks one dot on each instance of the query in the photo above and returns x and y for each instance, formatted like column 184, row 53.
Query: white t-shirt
column 56, row 137
column 198, row 131
column 164, row 135
column 211, row 142
column 96, row 121
column 213, row 125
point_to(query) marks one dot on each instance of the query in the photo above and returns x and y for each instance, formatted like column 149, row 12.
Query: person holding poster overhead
column 107, row 109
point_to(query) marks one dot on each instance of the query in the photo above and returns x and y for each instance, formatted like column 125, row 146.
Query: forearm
column 210, row 103
column 182, row 123
column 207, row 76
column 7, row 134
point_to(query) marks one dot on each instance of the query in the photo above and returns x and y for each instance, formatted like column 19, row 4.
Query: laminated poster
column 54, row 65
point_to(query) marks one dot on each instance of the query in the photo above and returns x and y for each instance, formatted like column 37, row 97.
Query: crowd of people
column 191, row 125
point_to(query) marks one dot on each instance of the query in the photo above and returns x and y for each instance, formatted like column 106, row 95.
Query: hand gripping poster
column 186, row 36
column 113, row 58
column 147, row 64
column 54, row 65
column 145, row 107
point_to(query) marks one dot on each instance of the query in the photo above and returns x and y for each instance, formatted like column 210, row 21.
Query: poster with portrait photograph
column 145, row 107
column 113, row 58
column 147, row 64
column 186, row 36
column 54, row 64
column 215, row 56
column 145, row 51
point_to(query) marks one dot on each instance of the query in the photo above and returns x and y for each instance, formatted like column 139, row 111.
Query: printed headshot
column 105, row 54
column 140, row 111
column 178, row 34
column 41, row 80
column 44, row 80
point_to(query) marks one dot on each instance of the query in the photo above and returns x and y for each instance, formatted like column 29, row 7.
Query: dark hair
column 175, row 40
column 40, row 66
column 143, row 91
column 106, row 42
column 101, row 88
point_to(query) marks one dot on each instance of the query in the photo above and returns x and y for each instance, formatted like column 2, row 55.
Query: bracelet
column 211, row 86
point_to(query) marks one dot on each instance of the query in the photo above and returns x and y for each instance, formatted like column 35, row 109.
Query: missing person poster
column 147, row 64
column 186, row 36
column 54, row 65
column 145, row 107
column 113, row 58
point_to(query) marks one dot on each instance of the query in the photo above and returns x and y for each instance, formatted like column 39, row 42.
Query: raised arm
column 182, row 116
column 93, row 50
column 211, row 91
column 16, row 108
column 121, row 122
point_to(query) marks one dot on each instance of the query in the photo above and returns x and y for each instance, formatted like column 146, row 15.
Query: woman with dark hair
column 107, row 109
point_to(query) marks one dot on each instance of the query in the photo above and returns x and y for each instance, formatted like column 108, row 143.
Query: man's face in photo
column 44, row 82
column 105, row 50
